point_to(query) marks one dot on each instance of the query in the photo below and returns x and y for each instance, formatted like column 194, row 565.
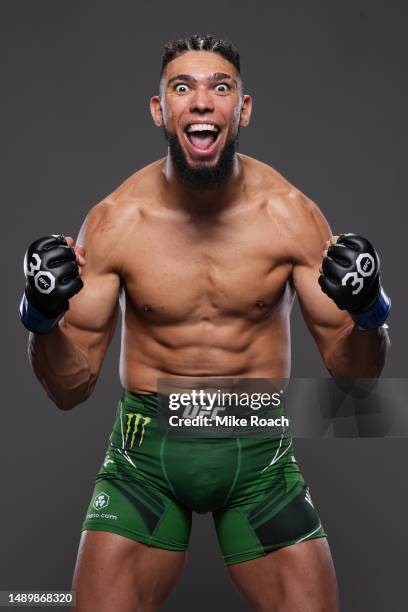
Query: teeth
column 201, row 127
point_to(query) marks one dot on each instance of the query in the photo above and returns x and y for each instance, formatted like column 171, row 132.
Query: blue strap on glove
column 33, row 320
column 375, row 315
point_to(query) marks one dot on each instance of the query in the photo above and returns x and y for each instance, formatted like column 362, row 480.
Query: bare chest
column 173, row 272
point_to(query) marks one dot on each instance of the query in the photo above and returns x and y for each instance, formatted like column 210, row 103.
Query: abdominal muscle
column 233, row 349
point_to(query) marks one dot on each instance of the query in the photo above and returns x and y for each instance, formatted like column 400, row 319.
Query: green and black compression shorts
column 150, row 483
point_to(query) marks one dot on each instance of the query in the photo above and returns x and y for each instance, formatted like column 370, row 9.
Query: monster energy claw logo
column 132, row 426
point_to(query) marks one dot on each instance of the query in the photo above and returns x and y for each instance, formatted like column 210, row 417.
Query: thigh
column 297, row 578
column 115, row 573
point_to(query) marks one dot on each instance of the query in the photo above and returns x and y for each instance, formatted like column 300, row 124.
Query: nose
column 201, row 101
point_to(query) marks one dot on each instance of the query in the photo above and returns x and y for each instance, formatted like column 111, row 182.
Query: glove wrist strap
column 375, row 315
column 33, row 320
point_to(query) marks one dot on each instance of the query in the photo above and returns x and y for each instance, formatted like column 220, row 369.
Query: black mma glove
column 52, row 278
column 351, row 278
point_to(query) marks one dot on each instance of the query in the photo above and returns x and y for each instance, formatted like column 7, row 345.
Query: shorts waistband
column 139, row 401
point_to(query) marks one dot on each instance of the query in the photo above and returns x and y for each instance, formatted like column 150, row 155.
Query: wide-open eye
column 181, row 88
column 222, row 88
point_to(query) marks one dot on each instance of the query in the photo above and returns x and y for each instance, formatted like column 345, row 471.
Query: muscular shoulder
column 299, row 220
column 108, row 224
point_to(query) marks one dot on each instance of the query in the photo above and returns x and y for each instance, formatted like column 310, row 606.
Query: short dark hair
column 198, row 42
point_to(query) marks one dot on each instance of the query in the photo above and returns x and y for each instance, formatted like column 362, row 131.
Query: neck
column 201, row 201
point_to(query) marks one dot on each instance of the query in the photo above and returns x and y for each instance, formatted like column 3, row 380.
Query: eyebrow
column 220, row 76
column 217, row 76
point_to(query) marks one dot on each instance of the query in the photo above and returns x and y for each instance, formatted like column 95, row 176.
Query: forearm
column 358, row 353
column 61, row 367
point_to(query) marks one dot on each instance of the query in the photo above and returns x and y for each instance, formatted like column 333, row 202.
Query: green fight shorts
column 149, row 485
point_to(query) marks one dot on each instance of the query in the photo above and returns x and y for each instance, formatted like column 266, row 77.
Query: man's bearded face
column 201, row 101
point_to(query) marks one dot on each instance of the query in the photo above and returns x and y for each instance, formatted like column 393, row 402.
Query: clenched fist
column 350, row 276
column 52, row 267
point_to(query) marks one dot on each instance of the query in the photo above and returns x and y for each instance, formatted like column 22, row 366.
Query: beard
column 201, row 176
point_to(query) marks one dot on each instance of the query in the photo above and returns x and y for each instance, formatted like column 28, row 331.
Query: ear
column 246, row 110
column 156, row 111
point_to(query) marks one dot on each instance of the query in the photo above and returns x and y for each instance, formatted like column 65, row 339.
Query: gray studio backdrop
column 330, row 90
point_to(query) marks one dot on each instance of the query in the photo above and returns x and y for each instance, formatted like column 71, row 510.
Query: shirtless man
column 204, row 251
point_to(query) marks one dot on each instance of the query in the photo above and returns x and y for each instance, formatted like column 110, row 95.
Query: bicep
column 325, row 321
column 91, row 319
column 93, row 308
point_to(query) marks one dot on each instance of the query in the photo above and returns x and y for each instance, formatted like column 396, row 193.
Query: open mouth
column 202, row 137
